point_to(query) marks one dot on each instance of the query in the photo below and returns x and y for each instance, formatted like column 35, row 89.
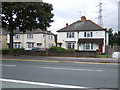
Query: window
column 88, row 46
column 70, row 34
column 70, row 45
column 30, row 44
column 17, row 45
column 17, row 36
column 88, row 34
column 29, row 35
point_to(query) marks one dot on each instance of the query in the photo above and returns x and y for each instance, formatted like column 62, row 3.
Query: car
column 36, row 49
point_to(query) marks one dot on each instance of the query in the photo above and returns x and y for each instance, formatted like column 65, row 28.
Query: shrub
column 71, row 50
column 4, row 51
column 55, row 48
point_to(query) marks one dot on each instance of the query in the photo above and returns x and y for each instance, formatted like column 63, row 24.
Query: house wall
column 96, row 34
column 45, row 39
column 62, row 38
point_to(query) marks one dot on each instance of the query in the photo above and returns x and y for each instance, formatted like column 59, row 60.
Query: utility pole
column 100, row 21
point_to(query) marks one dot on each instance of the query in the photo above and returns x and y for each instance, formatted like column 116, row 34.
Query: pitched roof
column 82, row 26
column 36, row 31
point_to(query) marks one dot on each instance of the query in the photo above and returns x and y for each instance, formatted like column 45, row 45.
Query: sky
column 69, row 11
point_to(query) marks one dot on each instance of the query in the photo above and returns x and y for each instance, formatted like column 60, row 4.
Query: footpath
column 62, row 59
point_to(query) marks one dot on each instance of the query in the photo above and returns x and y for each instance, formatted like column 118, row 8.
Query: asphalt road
column 44, row 74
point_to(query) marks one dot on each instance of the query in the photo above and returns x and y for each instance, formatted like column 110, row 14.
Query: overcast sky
column 69, row 11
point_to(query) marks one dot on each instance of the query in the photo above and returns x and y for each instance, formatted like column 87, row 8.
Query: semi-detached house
column 83, row 35
column 30, row 39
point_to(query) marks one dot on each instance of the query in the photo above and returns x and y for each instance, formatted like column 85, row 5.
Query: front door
column 100, row 48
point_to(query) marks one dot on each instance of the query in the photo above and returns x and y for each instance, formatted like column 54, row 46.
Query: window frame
column 29, row 36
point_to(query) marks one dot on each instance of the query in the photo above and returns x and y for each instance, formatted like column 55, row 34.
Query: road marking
column 61, row 61
column 41, row 84
column 7, row 65
column 72, row 69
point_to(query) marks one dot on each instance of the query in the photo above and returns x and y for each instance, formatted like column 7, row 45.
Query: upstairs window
column 17, row 36
column 29, row 35
column 70, row 34
column 88, row 34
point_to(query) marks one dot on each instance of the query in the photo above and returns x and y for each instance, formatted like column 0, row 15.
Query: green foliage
column 103, row 56
column 114, row 38
column 55, row 48
column 15, row 51
column 5, row 51
column 71, row 50
column 25, row 16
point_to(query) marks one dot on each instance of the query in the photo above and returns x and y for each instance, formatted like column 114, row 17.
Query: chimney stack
column 66, row 24
column 83, row 18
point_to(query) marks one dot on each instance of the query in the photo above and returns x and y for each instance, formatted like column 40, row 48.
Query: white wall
column 46, row 40
column 62, row 38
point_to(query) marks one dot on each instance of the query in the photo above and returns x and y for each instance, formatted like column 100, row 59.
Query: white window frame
column 87, row 46
column 88, row 34
column 17, row 45
column 17, row 36
column 70, row 45
column 70, row 35
column 30, row 36
column 30, row 44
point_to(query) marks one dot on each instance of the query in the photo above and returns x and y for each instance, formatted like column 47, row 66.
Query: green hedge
column 6, row 51
column 55, row 48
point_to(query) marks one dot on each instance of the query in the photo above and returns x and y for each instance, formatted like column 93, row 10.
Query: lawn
column 104, row 56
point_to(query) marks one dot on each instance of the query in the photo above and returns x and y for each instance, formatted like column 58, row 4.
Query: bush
column 15, row 51
column 71, row 50
column 55, row 48
column 4, row 51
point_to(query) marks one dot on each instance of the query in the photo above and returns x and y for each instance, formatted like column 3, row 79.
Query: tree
column 114, row 38
column 111, row 41
column 25, row 16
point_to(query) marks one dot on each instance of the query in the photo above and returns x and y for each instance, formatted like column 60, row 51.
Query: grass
column 104, row 56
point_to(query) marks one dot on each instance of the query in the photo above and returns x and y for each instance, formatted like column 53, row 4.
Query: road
column 53, row 74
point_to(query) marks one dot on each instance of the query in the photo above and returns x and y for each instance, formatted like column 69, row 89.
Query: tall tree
column 25, row 16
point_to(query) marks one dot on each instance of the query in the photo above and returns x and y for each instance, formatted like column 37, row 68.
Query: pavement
column 62, row 59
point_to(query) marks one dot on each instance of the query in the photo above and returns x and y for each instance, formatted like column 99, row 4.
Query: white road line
column 7, row 65
column 41, row 84
column 71, row 69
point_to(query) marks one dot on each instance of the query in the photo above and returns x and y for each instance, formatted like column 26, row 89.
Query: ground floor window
column 88, row 46
column 17, row 45
column 30, row 44
column 70, row 45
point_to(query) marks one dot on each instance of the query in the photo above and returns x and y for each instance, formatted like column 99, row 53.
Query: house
column 35, row 38
column 83, row 35
column 3, row 39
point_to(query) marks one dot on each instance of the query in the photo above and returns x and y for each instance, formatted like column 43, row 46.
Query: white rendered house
column 30, row 39
column 83, row 35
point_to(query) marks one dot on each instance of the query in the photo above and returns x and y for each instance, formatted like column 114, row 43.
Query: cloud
column 69, row 11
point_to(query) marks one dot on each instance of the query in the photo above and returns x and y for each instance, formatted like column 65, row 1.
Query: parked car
column 37, row 49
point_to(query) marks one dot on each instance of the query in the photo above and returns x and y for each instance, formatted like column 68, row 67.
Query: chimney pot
column 83, row 18
column 66, row 24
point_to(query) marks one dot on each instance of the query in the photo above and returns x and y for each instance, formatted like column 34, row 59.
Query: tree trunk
column 11, row 42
